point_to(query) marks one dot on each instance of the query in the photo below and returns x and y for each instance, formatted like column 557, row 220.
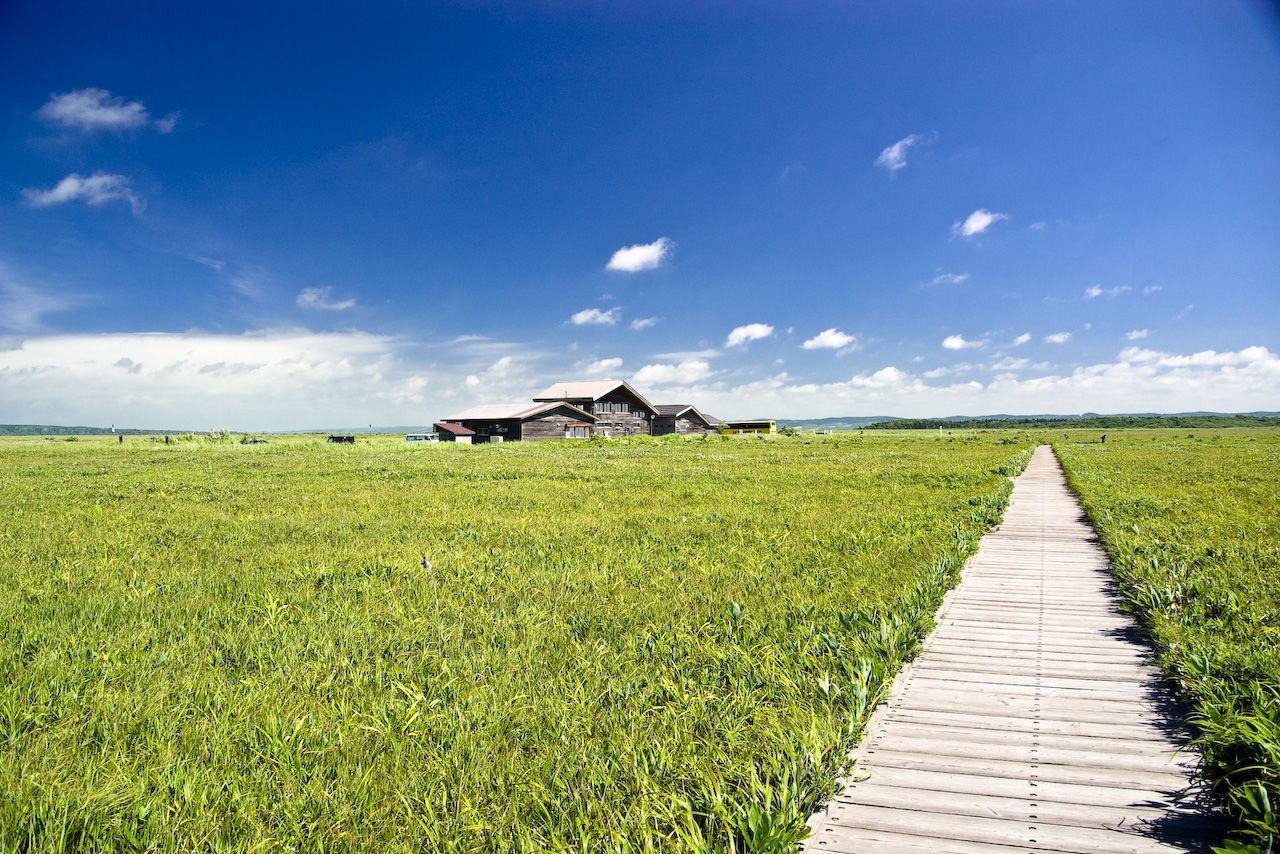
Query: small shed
column 681, row 418
column 453, row 432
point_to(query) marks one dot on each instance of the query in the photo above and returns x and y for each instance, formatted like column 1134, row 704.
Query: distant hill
column 1088, row 421
column 848, row 422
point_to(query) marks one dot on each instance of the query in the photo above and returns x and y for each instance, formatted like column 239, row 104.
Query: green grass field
column 1191, row 520
column 596, row 646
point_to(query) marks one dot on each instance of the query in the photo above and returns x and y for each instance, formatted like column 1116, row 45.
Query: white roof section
column 588, row 390
column 507, row 411
column 579, row 390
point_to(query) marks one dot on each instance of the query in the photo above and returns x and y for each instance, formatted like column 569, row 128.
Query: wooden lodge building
column 578, row 410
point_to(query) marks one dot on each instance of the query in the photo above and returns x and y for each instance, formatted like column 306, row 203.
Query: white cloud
column 950, row 278
column 1136, row 381
column 1037, row 226
column 1095, row 291
column 594, row 316
column 894, row 157
column 278, row 379
column 685, row 355
column 643, row 323
column 682, row 374
column 958, row 342
column 1137, row 334
column 97, row 189
column 976, row 223
column 830, row 339
column 1057, row 338
column 1022, row 339
column 642, row 256
column 751, row 332
column 92, row 109
column 603, row 366
column 318, row 298
column 1151, row 289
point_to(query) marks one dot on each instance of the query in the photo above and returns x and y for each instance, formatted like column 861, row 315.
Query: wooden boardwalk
column 1033, row 720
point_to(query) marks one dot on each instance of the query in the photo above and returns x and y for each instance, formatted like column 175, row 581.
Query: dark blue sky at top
column 467, row 170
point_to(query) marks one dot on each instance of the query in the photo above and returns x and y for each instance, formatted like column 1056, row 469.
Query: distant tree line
column 1097, row 422
column 51, row 430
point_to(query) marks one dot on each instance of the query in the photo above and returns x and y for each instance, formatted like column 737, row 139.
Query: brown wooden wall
column 634, row 422
column 664, row 425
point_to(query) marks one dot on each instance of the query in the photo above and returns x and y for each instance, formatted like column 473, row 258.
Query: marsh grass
column 635, row 645
column 1191, row 521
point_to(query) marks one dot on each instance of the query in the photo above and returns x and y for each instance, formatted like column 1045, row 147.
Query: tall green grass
column 634, row 645
column 1191, row 520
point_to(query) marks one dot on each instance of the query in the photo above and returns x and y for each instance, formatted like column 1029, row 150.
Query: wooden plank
column 1027, row 809
column 950, row 745
column 1149, row 731
column 997, row 831
column 1034, row 738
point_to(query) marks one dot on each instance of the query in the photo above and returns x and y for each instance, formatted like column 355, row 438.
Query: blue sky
column 274, row 216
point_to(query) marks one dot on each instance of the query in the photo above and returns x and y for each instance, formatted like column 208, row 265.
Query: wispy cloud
column 99, row 188
column 789, row 171
column 949, row 278
column 894, row 157
column 23, row 306
column 1057, row 338
column 92, row 109
column 594, row 316
column 831, row 339
column 684, row 373
column 958, row 342
column 751, row 332
column 1186, row 309
column 642, row 256
column 643, row 323
column 1095, row 291
column 686, row 355
column 1151, row 289
column 603, row 366
column 976, row 223
column 215, row 264
column 318, row 298
column 1039, row 225
column 1137, row 334
column 1022, row 339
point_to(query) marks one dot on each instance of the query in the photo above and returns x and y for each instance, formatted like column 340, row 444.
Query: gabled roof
column 675, row 410
column 514, row 411
column 589, row 390
column 453, row 429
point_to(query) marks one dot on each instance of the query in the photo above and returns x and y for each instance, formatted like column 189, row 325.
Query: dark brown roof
column 454, row 429
column 675, row 410
column 590, row 390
